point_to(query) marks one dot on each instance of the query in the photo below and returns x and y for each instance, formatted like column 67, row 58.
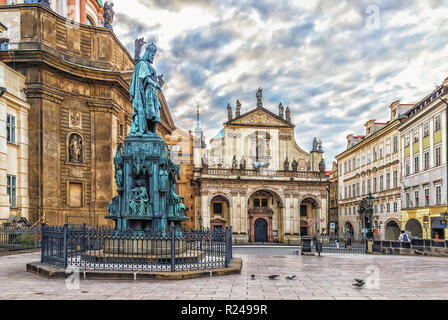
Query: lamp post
column 369, row 200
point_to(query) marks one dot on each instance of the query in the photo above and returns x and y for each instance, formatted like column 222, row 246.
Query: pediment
column 260, row 117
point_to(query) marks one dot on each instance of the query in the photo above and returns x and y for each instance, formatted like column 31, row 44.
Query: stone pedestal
column 143, row 247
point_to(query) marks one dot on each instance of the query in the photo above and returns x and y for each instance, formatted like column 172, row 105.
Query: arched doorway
column 309, row 223
column 414, row 227
column 260, row 230
column 264, row 205
column 392, row 231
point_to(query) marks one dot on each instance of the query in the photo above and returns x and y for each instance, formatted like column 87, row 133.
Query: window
column 374, row 185
column 368, row 156
column 395, row 207
column 376, row 208
column 387, row 181
column 438, row 157
column 345, row 210
column 387, row 146
column 363, row 159
column 369, row 186
column 438, row 195
column 407, row 168
column 4, row 45
column 357, row 162
column 354, row 190
column 426, row 156
column 427, row 197
column 406, row 140
column 426, row 129
column 408, row 200
column 395, row 144
column 416, row 198
column 260, row 202
column 357, row 189
column 437, row 123
column 353, row 164
column 345, row 167
column 381, row 152
column 11, row 190
column 363, row 188
column 381, row 208
column 415, row 133
column 345, row 193
column 381, row 183
column 303, row 212
column 75, row 194
column 374, row 154
column 217, row 208
column 10, row 128
column 395, row 177
column 388, row 207
column 416, row 164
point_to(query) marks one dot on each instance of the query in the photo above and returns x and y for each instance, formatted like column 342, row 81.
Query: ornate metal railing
column 19, row 240
column 89, row 248
column 263, row 173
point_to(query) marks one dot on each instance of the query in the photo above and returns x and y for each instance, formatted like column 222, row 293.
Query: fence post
column 42, row 242
column 173, row 248
column 64, row 247
column 83, row 238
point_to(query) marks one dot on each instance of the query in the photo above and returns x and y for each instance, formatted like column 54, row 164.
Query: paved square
column 326, row 277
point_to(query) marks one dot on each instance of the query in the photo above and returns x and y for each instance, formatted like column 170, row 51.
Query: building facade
column 333, row 198
column 371, row 165
column 256, row 179
column 77, row 85
column 424, row 173
column 88, row 12
column 14, row 110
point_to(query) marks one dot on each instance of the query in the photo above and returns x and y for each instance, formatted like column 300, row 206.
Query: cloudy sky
column 335, row 63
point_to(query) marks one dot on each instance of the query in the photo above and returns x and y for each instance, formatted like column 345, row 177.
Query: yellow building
column 371, row 164
column 424, row 174
column 14, row 109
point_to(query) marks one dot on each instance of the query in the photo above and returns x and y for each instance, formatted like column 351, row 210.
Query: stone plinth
column 143, row 247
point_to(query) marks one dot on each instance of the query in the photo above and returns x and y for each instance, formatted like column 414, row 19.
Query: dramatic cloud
column 335, row 63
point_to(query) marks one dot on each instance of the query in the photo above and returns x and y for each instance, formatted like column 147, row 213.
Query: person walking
column 403, row 236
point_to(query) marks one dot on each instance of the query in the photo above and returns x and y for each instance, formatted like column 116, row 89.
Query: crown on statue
column 151, row 48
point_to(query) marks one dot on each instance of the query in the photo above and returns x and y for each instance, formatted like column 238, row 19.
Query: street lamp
column 369, row 200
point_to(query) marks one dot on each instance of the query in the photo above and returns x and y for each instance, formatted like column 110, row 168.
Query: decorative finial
column 280, row 110
column 288, row 114
column 229, row 112
column 238, row 108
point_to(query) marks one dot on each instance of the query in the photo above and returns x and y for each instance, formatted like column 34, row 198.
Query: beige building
column 371, row 164
column 256, row 179
column 14, row 109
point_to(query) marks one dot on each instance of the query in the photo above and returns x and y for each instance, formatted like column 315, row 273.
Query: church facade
column 256, row 179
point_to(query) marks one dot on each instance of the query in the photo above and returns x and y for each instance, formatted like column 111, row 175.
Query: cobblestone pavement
column 326, row 277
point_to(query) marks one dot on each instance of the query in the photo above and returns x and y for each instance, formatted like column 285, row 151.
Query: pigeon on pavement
column 359, row 283
column 273, row 276
column 291, row 277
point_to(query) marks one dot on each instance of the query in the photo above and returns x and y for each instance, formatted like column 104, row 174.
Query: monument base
column 143, row 247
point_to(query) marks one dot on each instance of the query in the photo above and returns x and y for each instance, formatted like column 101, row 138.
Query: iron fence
column 90, row 248
column 324, row 244
column 15, row 240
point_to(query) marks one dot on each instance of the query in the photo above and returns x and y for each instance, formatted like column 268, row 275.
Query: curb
column 50, row 272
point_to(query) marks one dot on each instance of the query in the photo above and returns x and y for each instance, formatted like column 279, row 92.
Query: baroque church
column 255, row 178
